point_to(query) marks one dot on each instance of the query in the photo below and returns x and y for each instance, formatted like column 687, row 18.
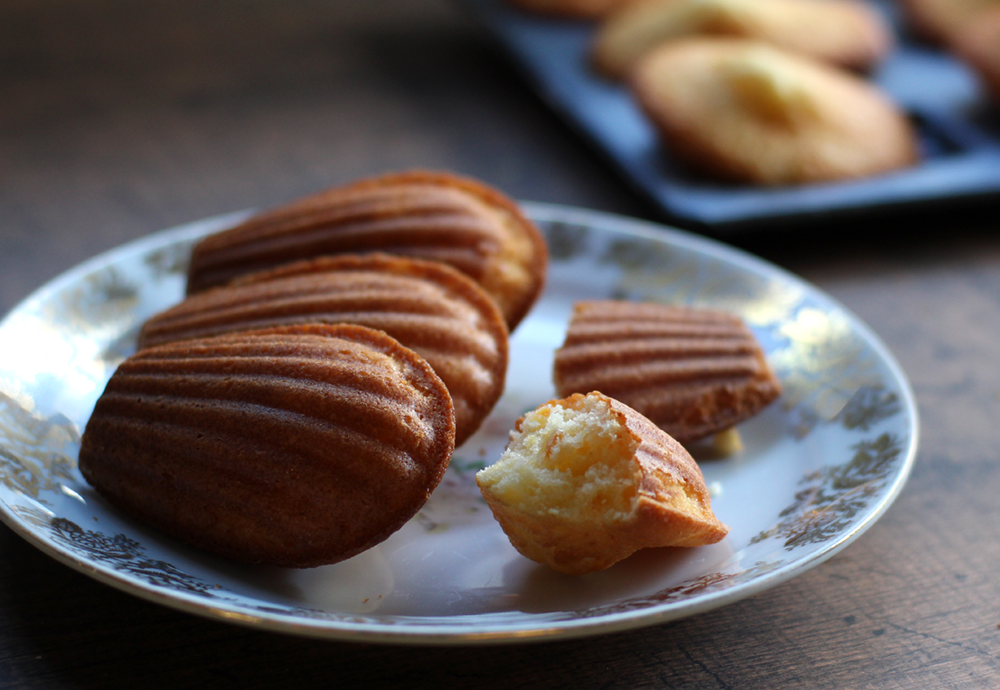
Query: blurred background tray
column 958, row 125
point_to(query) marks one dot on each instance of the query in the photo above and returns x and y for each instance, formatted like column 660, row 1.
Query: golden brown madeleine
column 429, row 307
column 587, row 481
column 978, row 44
column 745, row 112
column 848, row 33
column 570, row 9
column 428, row 215
column 942, row 20
column 295, row 446
column 693, row 372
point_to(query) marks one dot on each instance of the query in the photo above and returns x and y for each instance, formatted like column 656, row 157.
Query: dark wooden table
column 119, row 118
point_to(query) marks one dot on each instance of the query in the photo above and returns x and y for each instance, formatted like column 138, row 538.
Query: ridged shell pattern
column 293, row 447
column 428, row 307
column 692, row 372
column 434, row 216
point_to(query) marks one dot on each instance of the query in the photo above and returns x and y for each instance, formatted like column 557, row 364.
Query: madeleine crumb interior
column 577, row 463
column 586, row 481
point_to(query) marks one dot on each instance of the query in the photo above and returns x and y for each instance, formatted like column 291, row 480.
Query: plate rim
column 418, row 634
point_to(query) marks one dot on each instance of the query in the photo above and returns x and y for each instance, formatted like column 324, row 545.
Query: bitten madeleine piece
column 428, row 215
column 295, row 447
column 587, row 481
column 844, row 32
column 743, row 111
column 693, row 372
column 429, row 307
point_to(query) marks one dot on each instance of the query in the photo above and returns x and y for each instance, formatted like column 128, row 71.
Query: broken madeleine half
column 587, row 481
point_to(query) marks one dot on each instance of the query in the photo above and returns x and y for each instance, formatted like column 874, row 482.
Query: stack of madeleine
column 304, row 399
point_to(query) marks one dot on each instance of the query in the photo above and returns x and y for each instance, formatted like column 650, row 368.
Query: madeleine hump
column 429, row 307
column 693, row 372
column 847, row 33
column 748, row 112
column 296, row 447
column 428, row 215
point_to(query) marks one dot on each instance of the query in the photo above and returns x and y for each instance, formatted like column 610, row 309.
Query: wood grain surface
column 120, row 117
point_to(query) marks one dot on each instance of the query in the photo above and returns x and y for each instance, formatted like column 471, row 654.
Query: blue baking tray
column 959, row 131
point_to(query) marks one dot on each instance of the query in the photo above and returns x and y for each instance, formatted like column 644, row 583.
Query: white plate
column 817, row 468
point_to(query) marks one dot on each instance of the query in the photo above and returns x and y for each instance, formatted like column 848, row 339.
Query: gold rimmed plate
column 815, row 470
